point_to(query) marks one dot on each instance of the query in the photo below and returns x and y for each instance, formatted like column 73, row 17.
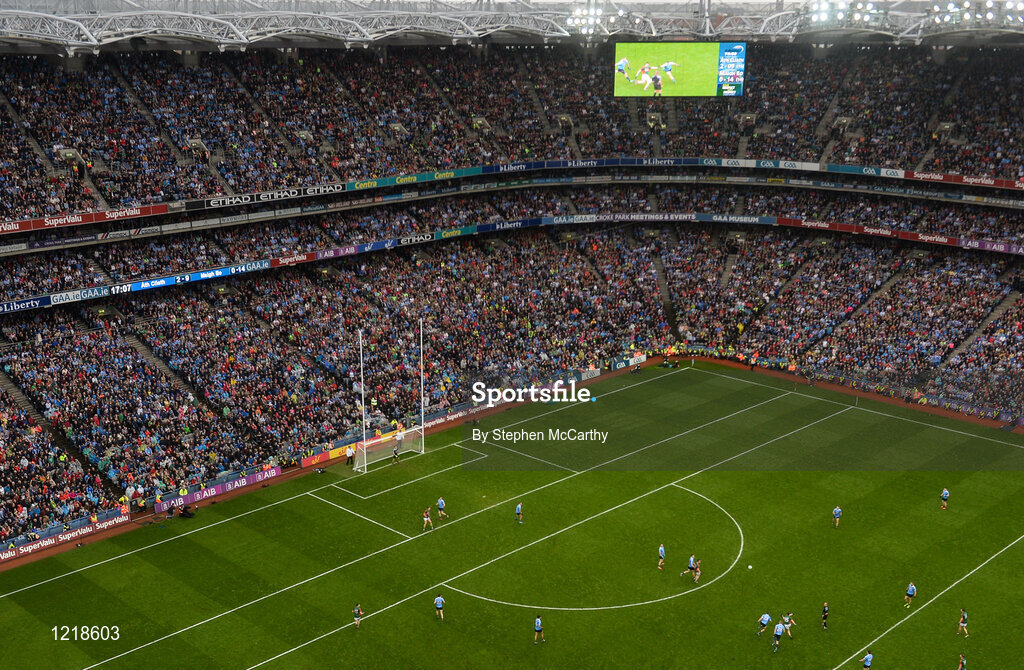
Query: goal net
column 382, row 447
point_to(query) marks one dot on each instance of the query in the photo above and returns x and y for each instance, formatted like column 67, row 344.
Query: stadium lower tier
column 166, row 389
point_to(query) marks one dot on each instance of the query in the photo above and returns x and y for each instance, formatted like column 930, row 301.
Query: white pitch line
column 187, row 533
column 864, row 409
column 365, row 518
column 284, row 500
column 735, row 560
column 413, row 481
column 934, row 598
column 532, row 457
column 413, row 538
column 530, row 544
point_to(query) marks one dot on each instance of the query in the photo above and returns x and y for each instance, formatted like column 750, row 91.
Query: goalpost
column 382, row 447
column 404, row 439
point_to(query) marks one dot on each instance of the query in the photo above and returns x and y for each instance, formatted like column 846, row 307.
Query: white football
column 750, row 567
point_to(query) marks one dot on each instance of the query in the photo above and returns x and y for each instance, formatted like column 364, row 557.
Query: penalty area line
column 365, row 518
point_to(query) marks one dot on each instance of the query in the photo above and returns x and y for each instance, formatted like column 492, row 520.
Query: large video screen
column 679, row 69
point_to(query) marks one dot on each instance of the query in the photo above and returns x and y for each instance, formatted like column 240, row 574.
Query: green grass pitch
column 734, row 467
column 696, row 74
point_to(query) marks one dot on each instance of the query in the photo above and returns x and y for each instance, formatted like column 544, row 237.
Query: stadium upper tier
column 139, row 128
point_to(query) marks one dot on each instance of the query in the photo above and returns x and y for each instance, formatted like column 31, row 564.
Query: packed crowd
column 40, row 483
column 90, row 112
column 125, row 416
column 207, row 103
column 838, row 278
column 164, row 255
column 275, row 358
column 28, row 191
column 990, row 372
column 987, row 114
column 274, row 119
column 912, row 327
column 496, row 90
column 890, row 101
column 277, row 397
column 40, row 273
column 789, row 103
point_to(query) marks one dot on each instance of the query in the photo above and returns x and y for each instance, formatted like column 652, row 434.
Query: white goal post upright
column 405, row 438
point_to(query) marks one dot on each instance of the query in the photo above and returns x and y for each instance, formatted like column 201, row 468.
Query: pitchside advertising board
column 61, row 538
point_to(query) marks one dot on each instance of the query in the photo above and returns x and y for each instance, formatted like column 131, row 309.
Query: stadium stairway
column 441, row 94
column 531, row 90
column 652, row 199
column 267, row 121
column 176, row 380
column 634, row 115
column 896, row 277
column 741, row 149
column 655, row 144
column 825, row 153
column 666, row 297
column 148, row 114
column 98, row 269
column 95, row 192
column 730, row 261
column 216, row 158
column 32, row 141
column 671, row 116
column 826, row 120
column 571, row 141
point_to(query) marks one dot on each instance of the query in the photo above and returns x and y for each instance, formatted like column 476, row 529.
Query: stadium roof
column 90, row 26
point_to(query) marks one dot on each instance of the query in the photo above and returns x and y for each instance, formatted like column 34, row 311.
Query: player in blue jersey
column 836, row 513
column 519, row 511
column 439, row 607
column 763, row 623
column 945, row 497
column 622, row 67
column 667, row 69
column 661, row 557
column 441, row 514
column 691, row 566
column 962, row 626
column 908, row 599
column 538, row 629
column 779, row 629
column 357, row 614
column 868, row 659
